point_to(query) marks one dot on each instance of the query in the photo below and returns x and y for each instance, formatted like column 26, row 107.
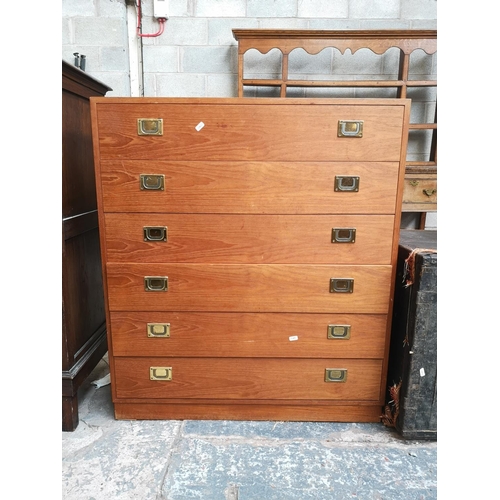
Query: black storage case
column 413, row 351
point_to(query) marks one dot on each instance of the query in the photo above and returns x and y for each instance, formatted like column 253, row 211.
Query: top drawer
column 248, row 129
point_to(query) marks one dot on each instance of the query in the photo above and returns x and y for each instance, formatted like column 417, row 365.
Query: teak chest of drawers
column 249, row 250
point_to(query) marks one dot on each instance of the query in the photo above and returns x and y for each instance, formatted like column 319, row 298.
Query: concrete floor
column 107, row 459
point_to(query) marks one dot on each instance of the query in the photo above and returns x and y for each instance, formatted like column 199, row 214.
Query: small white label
column 422, row 372
column 199, row 126
column 294, row 337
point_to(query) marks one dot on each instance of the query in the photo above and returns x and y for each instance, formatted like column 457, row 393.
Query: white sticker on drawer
column 294, row 337
column 422, row 372
column 199, row 126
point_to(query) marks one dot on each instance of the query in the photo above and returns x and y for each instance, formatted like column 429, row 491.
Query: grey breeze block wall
column 196, row 56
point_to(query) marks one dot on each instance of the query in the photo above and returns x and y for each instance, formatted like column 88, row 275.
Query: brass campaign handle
column 339, row 332
column 152, row 182
column 159, row 330
column 341, row 285
column 343, row 235
column 149, row 126
column 335, row 375
column 155, row 233
column 156, row 283
column 160, row 373
column 350, row 128
column 349, row 183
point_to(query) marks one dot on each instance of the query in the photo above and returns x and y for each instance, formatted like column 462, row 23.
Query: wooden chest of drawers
column 249, row 250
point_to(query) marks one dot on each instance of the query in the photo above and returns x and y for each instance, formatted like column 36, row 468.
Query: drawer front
column 256, row 379
column 249, row 132
column 420, row 191
column 249, row 187
column 270, row 335
column 249, row 287
column 320, row 239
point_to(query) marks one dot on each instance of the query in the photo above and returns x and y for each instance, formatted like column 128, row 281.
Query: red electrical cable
column 161, row 20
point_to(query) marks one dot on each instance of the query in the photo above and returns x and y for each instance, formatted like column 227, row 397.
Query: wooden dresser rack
column 420, row 193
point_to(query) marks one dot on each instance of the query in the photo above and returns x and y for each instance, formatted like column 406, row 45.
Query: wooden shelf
column 336, row 83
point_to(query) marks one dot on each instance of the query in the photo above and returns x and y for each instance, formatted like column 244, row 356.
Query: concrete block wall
column 98, row 30
column 196, row 56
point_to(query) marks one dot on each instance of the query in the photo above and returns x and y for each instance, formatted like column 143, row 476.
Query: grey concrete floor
column 107, row 459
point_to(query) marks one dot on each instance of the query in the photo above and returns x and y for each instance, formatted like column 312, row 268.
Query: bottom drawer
column 249, row 379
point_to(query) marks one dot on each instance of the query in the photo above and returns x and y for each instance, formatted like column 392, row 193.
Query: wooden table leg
column 69, row 413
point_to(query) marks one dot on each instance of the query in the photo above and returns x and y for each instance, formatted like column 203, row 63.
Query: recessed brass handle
column 339, row 332
column 346, row 183
column 155, row 233
column 414, row 183
column 429, row 192
column 152, row 182
column 149, row 126
column 341, row 285
column 343, row 235
column 160, row 373
column 158, row 330
column 335, row 375
column 156, row 283
column 350, row 128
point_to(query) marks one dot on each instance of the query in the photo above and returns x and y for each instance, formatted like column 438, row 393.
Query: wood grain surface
column 298, row 132
column 254, row 378
column 277, row 335
column 249, row 204
column 249, row 288
column 248, row 239
column 250, row 187
column 308, row 411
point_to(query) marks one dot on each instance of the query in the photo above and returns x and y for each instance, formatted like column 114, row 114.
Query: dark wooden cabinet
column 84, row 320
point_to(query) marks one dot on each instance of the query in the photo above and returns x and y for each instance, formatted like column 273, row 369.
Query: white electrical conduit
column 135, row 52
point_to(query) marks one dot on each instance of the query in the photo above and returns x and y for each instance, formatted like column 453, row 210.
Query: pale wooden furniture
column 420, row 193
column 249, row 250
column 83, row 315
